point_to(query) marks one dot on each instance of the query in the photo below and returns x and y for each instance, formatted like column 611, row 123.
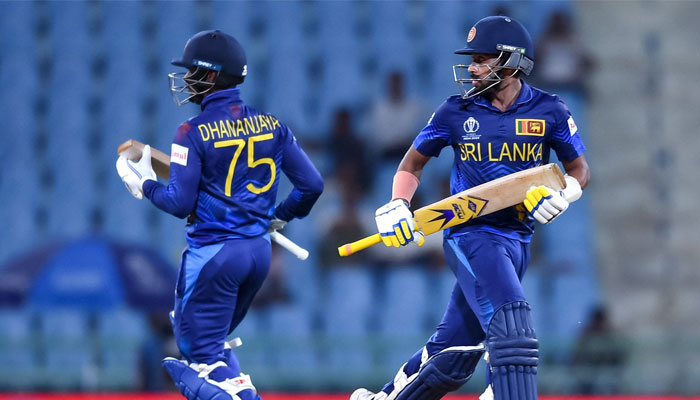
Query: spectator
column 560, row 58
column 598, row 356
column 345, row 146
column 396, row 120
column 347, row 227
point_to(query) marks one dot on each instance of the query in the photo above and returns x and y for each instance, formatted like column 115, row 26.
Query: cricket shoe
column 488, row 394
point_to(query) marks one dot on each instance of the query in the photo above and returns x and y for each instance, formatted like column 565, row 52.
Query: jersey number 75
column 252, row 162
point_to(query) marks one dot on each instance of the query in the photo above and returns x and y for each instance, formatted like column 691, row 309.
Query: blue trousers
column 215, row 287
column 488, row 268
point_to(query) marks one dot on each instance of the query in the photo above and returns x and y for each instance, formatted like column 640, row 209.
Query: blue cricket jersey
column 489, row 144
column 224, row 168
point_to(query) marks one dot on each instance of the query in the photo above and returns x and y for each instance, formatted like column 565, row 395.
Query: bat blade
column 479, row 200
column 132, row 150
column 486, row 198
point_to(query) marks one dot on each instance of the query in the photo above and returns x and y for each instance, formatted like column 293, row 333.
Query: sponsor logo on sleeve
column 529, row 127
column 572, row 126
column 178, row 154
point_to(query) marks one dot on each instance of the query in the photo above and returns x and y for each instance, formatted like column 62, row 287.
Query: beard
column 491, row 91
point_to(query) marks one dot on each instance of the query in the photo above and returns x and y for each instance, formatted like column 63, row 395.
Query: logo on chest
column 529, row 127
column 471, row 125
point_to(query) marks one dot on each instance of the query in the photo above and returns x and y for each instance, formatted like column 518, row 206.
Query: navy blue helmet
column 206, row 51
column 214, row 50
column 502, row 36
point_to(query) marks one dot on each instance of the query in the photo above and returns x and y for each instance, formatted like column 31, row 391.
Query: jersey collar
column 229, row 95
column 524, row 97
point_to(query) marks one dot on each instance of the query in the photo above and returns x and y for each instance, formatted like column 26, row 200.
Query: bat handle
column 292, row 247
column 352, row 248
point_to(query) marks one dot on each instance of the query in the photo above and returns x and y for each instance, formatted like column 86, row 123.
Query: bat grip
column 352, row 248
column 292, row 247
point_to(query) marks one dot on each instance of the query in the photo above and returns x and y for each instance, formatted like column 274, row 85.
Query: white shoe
column 488, row 394
column 364, row 394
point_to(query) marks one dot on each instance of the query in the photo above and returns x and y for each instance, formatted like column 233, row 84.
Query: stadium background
column 84, row 281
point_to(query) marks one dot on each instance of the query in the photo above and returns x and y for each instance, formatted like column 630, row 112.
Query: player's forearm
column 170, row 198
column 578, row 168
column 413, row 162
column 299, row 203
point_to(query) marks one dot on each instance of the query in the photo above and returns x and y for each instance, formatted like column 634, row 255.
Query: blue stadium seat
column 342, row 82
column 403, row 314
column 293, row 346
column 253, row 355
column 63, row 326
column 405, row 301
column 18, row 364
column 347, row 308
column 121, row 335
column 69, row 363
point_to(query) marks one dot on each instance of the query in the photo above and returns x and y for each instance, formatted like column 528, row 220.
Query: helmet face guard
column 185, row 87
column 515, row 60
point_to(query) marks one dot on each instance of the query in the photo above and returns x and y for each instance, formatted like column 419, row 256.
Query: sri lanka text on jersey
column 507, row 152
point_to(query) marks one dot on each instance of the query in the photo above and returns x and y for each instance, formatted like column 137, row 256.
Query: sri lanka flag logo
column 529, row 127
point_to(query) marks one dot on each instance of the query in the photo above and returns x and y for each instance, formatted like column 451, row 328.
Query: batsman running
column 498, row 126
column 224, row 170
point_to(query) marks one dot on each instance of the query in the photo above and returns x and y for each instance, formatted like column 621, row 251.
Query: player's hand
column 396, row 225
column 545, row 204
column 129, row 177
column 143, row 167
column 276, row 224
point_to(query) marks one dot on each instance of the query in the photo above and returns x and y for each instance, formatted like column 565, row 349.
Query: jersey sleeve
column 566, row 139
column 307, row 181
column 435, row 135
column 179, row 196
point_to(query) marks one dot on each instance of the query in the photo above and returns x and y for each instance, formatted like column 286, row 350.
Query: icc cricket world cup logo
column 471, row 125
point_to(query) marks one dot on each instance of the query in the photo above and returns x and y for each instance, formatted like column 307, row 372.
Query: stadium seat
column 65, row 342
column 347, row 309
column 18, row 363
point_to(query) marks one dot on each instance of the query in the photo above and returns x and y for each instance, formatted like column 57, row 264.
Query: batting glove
column 546, row 204
column 135, row 174
column 143, row 167
column 131, row 180
column 396, row 225
column 276, row 224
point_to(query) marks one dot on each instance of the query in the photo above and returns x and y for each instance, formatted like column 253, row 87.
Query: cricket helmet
column 502, row 36
column 206, row 51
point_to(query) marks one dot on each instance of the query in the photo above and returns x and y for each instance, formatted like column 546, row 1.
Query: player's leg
column 209, row 286
column 445, row 363
column 498, row 264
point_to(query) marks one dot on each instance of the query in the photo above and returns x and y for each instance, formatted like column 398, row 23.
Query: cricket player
column 224, row 172
column 499, row 126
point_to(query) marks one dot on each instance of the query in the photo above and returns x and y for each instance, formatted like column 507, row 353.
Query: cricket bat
column 132, row 150
column 474, row 202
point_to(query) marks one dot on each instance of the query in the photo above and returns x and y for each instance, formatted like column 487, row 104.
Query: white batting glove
column 396, row 225
column 135, row 174
column 131, row 180
column 546, row 204
column 276, row 224
column 143, row 167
